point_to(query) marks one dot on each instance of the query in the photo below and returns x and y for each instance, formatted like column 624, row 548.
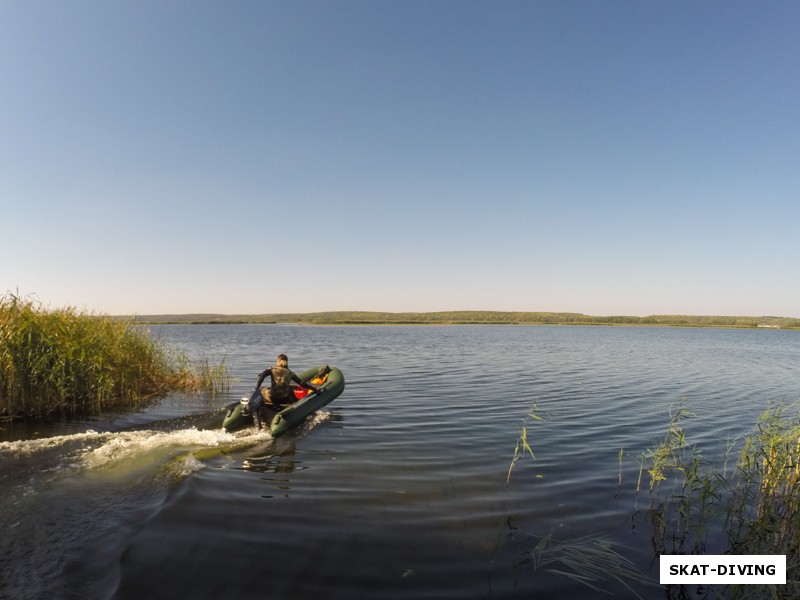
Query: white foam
column 125, row 449
column 30, row 447
column 133, row 446
column 132, row 450
column 190, row 465
column 318, row 417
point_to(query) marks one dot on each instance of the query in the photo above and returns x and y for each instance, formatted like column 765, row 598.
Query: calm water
column 397, row 489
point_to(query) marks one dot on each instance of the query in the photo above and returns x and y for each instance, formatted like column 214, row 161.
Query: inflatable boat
column 329, row 382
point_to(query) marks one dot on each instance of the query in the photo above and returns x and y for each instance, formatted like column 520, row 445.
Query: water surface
column 397, row 489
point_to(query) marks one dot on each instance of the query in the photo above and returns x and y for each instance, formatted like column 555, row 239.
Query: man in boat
column 279, row 393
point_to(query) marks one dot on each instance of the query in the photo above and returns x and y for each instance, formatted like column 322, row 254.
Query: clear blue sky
column 610, row 158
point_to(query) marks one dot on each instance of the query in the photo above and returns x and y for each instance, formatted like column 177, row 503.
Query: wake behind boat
column 329, row 382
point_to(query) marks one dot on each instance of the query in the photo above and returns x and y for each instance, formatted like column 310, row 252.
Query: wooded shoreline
column 471, row 318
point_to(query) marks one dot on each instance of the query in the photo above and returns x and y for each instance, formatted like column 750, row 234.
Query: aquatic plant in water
column 591, row 560
column 68, row 361
column 752, row 508
column 522, row 440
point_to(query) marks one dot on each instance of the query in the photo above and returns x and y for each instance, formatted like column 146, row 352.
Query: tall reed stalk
column 523, row 445
column 67, row 361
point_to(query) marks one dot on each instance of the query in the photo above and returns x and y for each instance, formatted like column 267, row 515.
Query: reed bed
column 66, row 361
column 749, row 504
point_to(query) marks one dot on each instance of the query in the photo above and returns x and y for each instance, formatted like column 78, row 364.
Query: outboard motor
column 230, row 408
column 253, row 405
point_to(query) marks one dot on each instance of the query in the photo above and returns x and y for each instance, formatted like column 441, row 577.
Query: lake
column 400, row 488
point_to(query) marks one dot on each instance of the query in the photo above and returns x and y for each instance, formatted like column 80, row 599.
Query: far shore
column 471, row 318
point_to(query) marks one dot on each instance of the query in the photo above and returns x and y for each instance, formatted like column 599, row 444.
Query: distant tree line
column 477, row 318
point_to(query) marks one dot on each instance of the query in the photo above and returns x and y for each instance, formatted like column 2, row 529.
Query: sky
column 251, row 157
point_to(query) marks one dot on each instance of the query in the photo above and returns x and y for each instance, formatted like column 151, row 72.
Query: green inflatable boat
column 329, row 382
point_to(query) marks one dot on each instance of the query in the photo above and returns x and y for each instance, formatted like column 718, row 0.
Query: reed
column 66, row 361
column 748, row 505
column 523, row 446
column 201, row 376
column 752, row 508
column 681, row 519
column 764, row 516
column 591, row 561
